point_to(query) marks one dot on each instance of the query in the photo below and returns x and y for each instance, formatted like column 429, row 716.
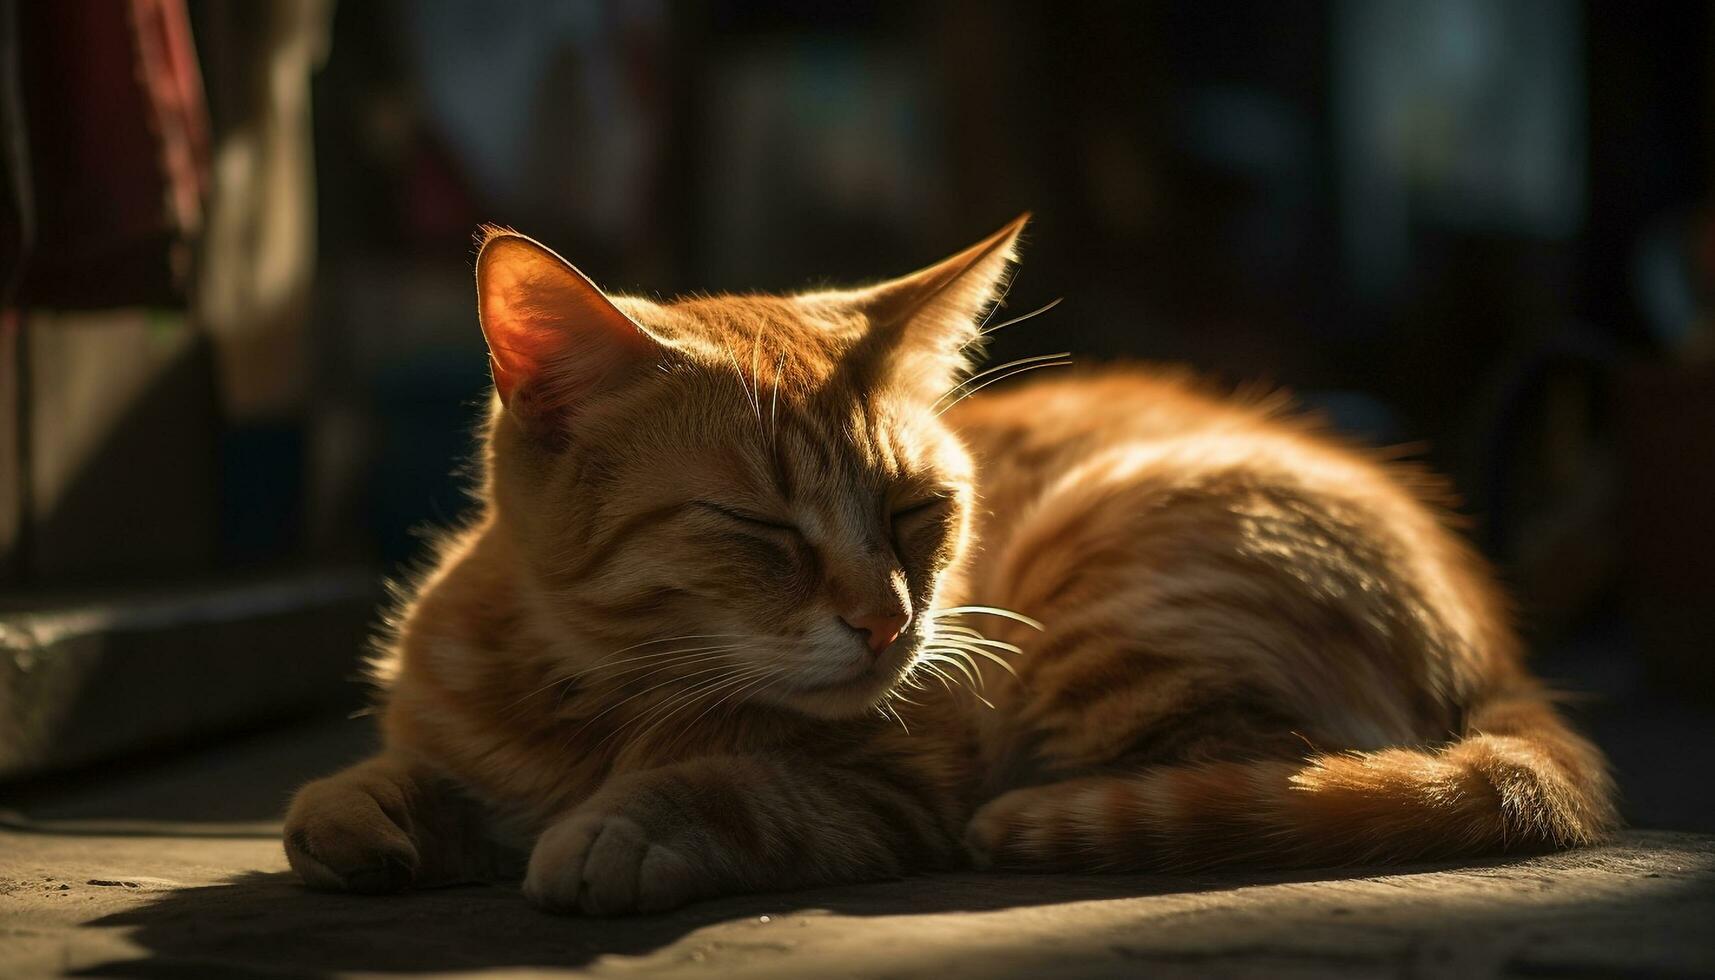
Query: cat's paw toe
column 667, row 879
column 990, row 835
column 605, row 864
column 341, row 838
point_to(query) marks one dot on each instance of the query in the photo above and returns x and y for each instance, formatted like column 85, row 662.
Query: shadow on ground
column 1638, row 908
column 270, row 920
column 1419, row 922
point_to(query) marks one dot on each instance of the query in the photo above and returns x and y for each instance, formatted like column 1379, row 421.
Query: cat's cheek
column 784, row 570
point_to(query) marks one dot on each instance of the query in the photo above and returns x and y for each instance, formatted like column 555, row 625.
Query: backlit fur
column 1242, row 642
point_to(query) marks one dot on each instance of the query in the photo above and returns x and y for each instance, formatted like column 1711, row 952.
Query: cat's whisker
column 672, row 706
column 970, row 662
column 700, row 690
column 744, row 386
column 979, row 646
column 760, row 678
column 996, row 370
column 949, row 651
column 964, row 666
column 928, row 663
column 894, row 694
column 655, row 710
column 755, row 375
column 762, row 685
column 988, row 655
column 650, row 671
column 631, row 676
column 995, row 659
column 655, row 661
column 944, row 655
column 987, row 330
column 539, row 690
column 678, row 676
column 638, row 694
column 741, row 692
column 774, row 401
column 1000, row 301
column 1017, row 617
column 649, row 719
column 950, row 636
column 671, row 639
column 886, row 709
column 658, row 654
column 942, row 629
column 945, row 631
column 1067, row 362
column 656, row 658
column 985, row 645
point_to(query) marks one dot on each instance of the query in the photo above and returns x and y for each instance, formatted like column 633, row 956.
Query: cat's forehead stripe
column 831, row 474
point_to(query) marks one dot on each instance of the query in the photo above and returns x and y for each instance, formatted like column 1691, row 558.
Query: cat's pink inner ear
column 552, row 335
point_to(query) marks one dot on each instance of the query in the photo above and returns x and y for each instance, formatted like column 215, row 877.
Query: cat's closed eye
column 920, row 507
column 748, row 518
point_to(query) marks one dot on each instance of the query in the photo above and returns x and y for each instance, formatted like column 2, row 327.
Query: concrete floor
column 174, row 869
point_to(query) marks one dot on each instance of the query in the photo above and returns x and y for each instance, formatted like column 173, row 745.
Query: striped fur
column 630, row 678
column 1263, row 648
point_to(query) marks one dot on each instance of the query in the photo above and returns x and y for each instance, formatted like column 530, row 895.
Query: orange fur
column 637, row 666
column 1263, row 647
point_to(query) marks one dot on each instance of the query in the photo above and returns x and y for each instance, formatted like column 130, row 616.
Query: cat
column 757, row 598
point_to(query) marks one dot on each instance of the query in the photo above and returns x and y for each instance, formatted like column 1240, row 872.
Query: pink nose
column 879, row 630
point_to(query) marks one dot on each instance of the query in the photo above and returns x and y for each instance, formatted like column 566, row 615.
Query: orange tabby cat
column 706, row 634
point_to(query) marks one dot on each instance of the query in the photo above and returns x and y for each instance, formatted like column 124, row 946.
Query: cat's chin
column 852, row 700
column 849, row 697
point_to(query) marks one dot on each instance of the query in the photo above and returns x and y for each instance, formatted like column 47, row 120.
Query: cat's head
column 754, row 494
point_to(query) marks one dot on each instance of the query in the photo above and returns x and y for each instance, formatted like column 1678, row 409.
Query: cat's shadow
column 267, row 924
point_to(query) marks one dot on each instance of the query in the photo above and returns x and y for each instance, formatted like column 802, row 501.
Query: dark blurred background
column 239, row 365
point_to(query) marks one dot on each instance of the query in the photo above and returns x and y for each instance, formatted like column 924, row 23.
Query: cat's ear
column 553, row 336
column 928, row 321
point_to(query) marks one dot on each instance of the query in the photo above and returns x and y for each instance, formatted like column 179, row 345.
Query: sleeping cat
column 758, row 599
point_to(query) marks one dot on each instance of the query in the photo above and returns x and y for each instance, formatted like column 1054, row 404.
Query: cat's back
column 1085, row 408
column 1132, row 424
column 1156, row 435
column 1126, row 482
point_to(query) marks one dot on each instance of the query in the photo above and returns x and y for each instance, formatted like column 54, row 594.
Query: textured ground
column 114, row 877
column 142, row 906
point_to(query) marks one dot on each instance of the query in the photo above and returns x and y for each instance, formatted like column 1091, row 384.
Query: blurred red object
column 118, row 136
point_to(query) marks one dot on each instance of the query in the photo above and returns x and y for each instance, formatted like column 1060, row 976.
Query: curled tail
column 1519, row 781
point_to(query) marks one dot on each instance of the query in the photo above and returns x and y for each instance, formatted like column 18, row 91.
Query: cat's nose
column 879, row 629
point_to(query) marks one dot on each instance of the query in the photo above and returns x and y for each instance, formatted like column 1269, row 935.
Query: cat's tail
column 1519, row 781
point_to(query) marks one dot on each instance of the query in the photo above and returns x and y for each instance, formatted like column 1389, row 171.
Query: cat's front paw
column 604, row 863
column 1030, row 829
column 348, row 833
column 1065, row 826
